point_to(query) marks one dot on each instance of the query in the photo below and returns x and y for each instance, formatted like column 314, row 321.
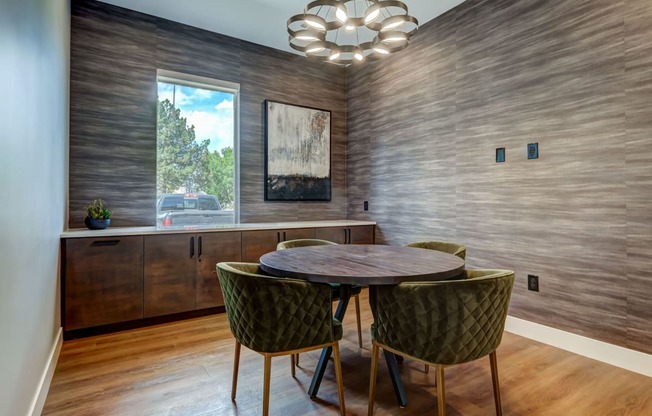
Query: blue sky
column 211, row 112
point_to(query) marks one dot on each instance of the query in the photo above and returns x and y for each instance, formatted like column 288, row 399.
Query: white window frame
column 196, row 81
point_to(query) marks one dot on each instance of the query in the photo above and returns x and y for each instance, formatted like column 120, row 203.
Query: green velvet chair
column 355, row 289
column 442, row 323
column 450, row 248
column 278, row 316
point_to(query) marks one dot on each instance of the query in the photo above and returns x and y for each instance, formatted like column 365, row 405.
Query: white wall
column 34, row 56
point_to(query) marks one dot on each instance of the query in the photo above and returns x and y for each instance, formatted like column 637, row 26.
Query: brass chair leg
column 357, row 317
column 494, row 378
column 266, row 382
column 236, row 365
column 338, row 375
column 372, row 377
column 297, row 360
column 292, row 358
column 441, row 391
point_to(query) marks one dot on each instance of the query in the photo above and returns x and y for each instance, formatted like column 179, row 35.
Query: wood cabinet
column 363, row 234
column 103, row 281
column 133, row 280
column 257, row 243
column 180, row 274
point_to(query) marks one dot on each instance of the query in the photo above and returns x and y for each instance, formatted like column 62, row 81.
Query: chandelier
column 348, row 31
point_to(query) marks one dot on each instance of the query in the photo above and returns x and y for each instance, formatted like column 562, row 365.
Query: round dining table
column 372, row 265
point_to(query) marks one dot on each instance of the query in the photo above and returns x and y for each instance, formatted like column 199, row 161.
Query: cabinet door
column 298, row 233
column 257, row 243
column 361, row 234
column 213, row 248
column 103, row 281
column 169, row 274
column 334, row 234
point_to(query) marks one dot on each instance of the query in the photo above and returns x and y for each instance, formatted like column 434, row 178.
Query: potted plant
column 98, row 216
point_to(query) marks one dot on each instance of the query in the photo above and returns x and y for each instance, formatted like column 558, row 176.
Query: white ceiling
column 258, row 21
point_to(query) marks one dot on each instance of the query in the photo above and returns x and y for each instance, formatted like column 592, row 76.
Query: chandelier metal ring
column 306, row 21
column 388, row 48
column 376, row 9
column 337, row 5
column 397, row 21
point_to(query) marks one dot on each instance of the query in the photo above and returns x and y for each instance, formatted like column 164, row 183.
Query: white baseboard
column 46, row 378
column 631, row 360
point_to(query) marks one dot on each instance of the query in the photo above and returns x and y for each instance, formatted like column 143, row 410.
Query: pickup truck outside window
column 183, row 211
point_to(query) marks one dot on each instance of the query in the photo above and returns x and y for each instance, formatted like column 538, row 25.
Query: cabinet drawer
column 103, row 281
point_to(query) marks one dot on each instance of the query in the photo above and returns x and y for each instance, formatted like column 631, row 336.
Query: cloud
column 214, row 126
column 183, row 95
column 225, row 105
column 212, row 121
column 202, row 94
column 178, row 97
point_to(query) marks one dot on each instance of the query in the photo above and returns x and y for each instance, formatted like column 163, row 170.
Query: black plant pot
column 94, row 224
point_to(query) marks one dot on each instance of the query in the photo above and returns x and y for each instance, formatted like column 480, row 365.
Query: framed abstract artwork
column 297, row 153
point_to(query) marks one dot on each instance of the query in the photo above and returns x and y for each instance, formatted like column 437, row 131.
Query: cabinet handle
column 284, row 237
column 199, row 246
column 349, row 231
column 192, row 247
column 278, row 236
column 346, row 236
column 105, row 243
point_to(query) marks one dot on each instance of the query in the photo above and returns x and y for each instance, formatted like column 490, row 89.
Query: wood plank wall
column 114, row 57
column 574, row 76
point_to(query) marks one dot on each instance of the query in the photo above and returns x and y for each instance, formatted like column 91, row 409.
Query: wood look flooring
column 184, row 368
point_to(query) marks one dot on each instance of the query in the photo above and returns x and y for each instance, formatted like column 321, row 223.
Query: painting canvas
column 298, row 153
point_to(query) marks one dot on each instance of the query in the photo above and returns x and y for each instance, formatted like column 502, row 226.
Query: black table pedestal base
column 392, row 366
column 345, row 296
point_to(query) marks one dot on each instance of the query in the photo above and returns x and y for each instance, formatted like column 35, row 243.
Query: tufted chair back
column 304, row 242
column 451, row 248
column 447, row 322
column 269, row 314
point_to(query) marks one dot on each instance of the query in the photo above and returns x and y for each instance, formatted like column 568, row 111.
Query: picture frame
column 297, row 152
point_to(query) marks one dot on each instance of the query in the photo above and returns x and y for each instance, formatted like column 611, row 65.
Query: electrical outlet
column 366, row 205
column 533, row 282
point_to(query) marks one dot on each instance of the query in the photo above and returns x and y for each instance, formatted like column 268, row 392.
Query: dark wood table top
column 362, row 264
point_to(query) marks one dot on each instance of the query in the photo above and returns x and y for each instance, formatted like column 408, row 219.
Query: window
column 197, row 151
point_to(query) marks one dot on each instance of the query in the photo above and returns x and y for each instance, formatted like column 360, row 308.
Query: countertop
column 123, row 231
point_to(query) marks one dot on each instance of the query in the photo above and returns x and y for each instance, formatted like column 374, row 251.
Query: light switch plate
column 533, row 151
column 500, row 155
